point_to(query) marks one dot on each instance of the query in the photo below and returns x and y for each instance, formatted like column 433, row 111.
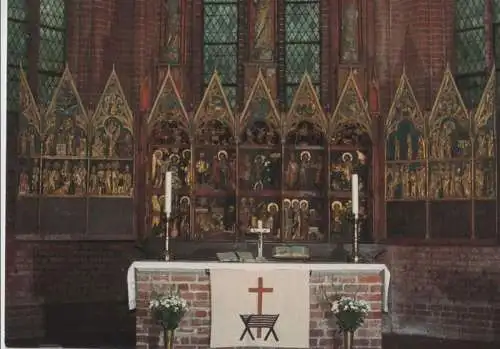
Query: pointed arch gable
column 29, row 109
column 214, row 106
column 260, row 93
column 168, row 106
column 448, row 103
column 306, row 107
column 486, row 109
column 65, row 102
column 404, row 106
column 351, row 108
column 113, row 104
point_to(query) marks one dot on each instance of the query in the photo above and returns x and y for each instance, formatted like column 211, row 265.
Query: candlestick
column 355, row 195
column 355, row 241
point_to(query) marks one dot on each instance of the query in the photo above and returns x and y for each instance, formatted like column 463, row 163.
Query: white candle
column 259, row 224
column 168, row 193
column 355, row 195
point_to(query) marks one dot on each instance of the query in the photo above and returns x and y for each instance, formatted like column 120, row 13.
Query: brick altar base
column 194, row 286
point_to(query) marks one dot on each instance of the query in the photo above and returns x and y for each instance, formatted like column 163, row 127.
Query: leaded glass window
column 496, row 41
column 16, row 49
column 49, row 19
column 220, row 49
column 470, row 49
column 52, row 48
column 496, row 32
column 302, row 44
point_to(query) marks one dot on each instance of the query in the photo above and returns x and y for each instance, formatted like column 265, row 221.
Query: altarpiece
column 290, row 171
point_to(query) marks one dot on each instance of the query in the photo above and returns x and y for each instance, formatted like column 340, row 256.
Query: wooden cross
column 261, row 231
column 260, row 290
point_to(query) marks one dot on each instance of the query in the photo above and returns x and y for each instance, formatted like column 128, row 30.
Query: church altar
column 369, row 282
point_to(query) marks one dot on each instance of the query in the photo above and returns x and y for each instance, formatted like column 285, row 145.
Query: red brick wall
column 106, row 32
column 195, row 329
column 417, row 34
column 451, row 292
column 53, row 281
column 437, row 291
column 43, row 275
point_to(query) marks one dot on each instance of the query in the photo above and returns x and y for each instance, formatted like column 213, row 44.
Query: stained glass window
column 470, row 49
column 496, row 41
column 302, row 43
column 496, row 32
column 50, row 40
column 220, row 49
column 52, row 47
column 16, row 49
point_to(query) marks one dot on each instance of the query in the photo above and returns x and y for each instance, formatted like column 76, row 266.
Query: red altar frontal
column 193, row 280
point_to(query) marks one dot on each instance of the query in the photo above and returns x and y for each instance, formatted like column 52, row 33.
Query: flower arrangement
column 349, row 313
column 168, row 310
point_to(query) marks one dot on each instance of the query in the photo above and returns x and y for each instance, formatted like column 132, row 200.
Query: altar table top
column 172, row 266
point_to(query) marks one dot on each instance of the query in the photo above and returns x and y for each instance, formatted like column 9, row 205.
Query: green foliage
column 168, row 310
column 350, row 313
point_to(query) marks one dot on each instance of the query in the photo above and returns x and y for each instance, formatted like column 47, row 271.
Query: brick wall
column 447, row 292
column 42, row 276
column 88, row 278
column 417, row 34
column 195, row 328
column 69, row 289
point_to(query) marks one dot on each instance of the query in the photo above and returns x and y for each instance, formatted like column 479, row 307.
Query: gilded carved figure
column 171, row 31
column 24, row 183
column 202, row 170
column 184, row 211
column 337, row 211
column 263, row 32
column 393, row 182
column 305, row 162
column 450, row 180
column 272, row 218
column 341, row 170
column 156, row 209
column 292, row 172
column 287, row 214
column 349, row 32
column 213, row 219
column 35, row 177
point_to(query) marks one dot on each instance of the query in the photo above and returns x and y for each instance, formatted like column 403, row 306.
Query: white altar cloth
column 336, row 268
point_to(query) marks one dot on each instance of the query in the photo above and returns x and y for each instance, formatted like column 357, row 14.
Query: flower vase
column 168, row 338
column 348, row 339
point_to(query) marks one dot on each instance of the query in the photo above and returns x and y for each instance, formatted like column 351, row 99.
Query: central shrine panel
column 289, row 170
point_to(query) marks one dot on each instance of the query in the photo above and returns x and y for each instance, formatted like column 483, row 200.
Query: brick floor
column 389, row 342
column 418, row 342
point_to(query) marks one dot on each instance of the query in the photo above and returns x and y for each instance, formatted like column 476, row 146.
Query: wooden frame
column 236, row 135
column 71, row 159
column 469, row 156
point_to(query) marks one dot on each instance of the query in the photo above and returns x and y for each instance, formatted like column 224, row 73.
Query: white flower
column 154, row 304
column 347, row 304
column 335, row 307
column 169, row 303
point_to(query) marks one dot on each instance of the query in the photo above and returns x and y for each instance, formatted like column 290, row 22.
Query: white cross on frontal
column 261, row 231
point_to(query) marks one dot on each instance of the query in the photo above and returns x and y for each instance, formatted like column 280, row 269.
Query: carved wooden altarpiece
column 440, row 167
column 169, row 134
column 233, row 170
column 350, row 144
column 73, row 166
